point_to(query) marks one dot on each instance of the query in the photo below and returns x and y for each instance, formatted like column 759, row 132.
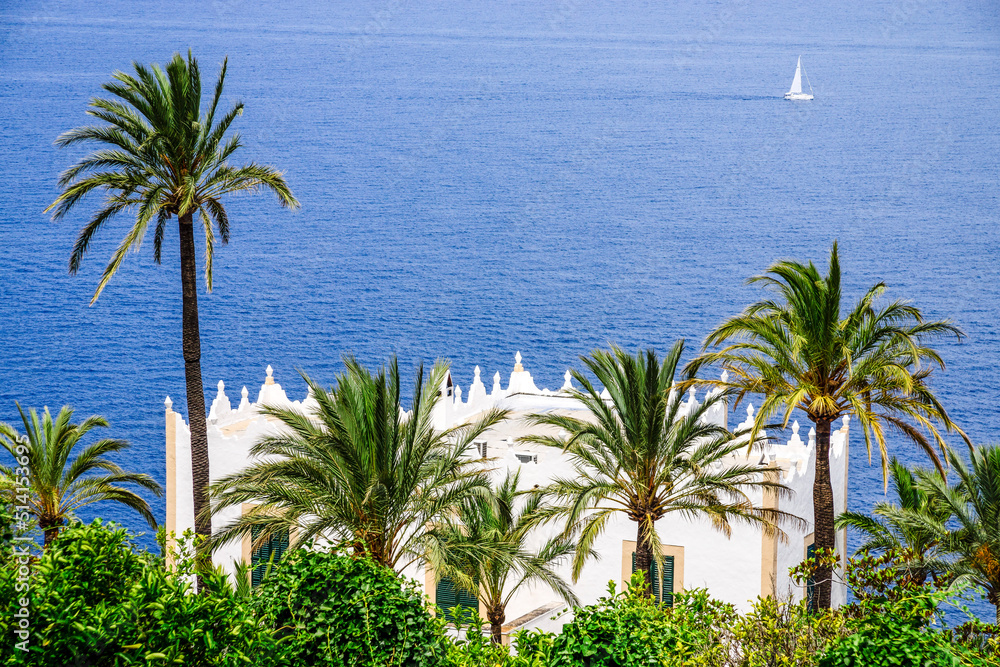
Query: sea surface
column 479, row 178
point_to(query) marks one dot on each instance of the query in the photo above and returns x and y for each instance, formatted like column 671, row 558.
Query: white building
column 735, row 569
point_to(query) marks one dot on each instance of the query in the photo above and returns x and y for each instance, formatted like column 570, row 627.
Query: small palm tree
column 163, row 157
column 359, row 470
column 799, row 352
column 641, row 453
column 974, row 503
column 497, row 520
column 60, row 486
column 909, row 529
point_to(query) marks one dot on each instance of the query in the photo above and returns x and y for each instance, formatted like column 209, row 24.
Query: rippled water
column 478, row 179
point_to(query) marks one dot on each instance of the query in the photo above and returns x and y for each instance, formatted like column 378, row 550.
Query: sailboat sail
column 795, row 93
column 797, row 81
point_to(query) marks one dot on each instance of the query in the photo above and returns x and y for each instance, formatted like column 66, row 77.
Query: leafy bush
column 332, row 609
column 474, row 648
column 630, row 629
column 893, row 629
column 978, row 638
column 95, row 601
column 886, row 641
column 534, row 648
column 780, row 633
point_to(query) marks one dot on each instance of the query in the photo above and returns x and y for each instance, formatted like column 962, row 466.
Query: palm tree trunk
column 496, row 615
column 644, row 556
column 50, row 532
column 823, row 519
column 195, row 392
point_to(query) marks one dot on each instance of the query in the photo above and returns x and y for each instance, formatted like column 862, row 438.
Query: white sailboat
column 795, row 93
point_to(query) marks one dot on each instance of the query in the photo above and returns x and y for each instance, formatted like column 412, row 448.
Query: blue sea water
column 478, row 178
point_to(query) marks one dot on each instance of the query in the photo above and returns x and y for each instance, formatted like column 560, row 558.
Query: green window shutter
column 668, row 579
column 449, row 596
column 269, row 553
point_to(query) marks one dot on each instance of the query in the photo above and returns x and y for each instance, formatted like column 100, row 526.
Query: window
column 449, row 596
column 480, row 446
column 527, row 458
column 268, row 554
column 667, row 597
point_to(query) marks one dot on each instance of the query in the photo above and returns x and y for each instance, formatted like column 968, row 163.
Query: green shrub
column 534, row 648
column 474, row 648
column 95, row 602
column 781, row 633
column 892, row 645
column 331, row 609
column 977, row 638
column 892, row 630
column 630, row 629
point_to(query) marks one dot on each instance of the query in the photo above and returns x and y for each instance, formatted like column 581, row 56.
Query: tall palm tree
column 505, row 520
column 360, row 470
column 643, row 454
column 799, row 352
column 909, row 529
column 163, row 157
column 974, row 502
column 60, row 486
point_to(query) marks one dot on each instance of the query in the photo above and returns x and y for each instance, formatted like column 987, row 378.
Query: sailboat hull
column 798, row 96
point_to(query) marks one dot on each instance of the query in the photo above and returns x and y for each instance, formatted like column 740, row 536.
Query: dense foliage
column 96, row 601
column 780, row 633
column 630, row 628
column 333, row 609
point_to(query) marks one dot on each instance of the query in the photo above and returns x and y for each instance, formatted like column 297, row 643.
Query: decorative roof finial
column 517, row 362
column 168, row 403
column 245, row 392
column 725, row 376
column 795, row 427
column 750, row 411
column 222, row 386
column 477, row 372
column 270, row 375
